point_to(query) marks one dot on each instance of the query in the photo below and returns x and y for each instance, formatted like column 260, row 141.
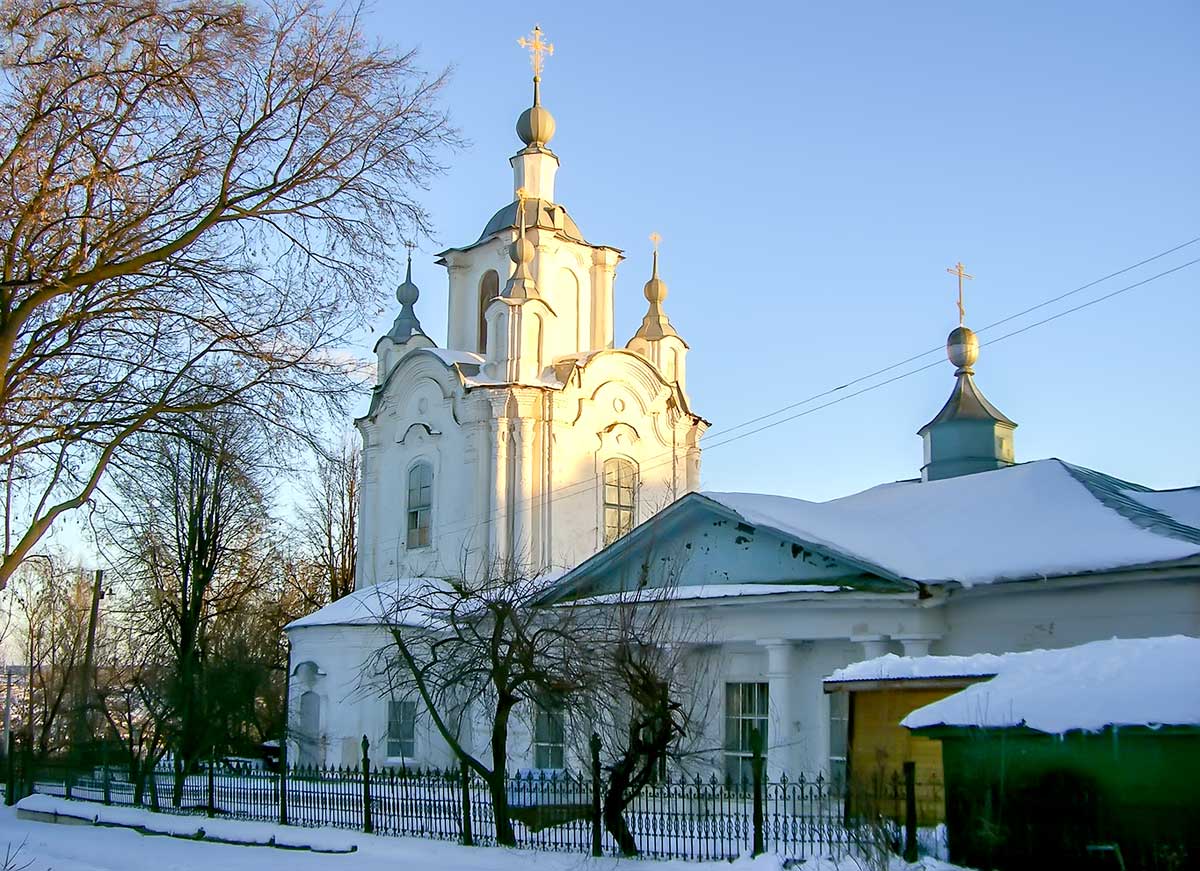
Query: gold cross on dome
column 655, row 238
column 537, row 47
column 961, row 273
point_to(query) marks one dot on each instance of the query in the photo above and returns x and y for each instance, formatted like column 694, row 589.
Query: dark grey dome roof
column 538, row 213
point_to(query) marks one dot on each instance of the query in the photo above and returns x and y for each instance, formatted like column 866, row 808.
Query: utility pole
column 7, row 707
column 83, row 723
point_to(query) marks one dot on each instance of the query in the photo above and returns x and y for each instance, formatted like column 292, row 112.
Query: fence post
column 756, row 747
column 368, row 828
column 910, row 811
column 10, row 783
column 467, row 836
column 283, row 773
column 212, row 802
column 107, row 781
column 594, row 744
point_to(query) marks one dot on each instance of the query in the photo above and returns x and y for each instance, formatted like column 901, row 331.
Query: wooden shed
column 876, row 695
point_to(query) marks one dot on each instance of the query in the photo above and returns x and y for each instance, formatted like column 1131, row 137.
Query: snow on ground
column 89, row 848
column 1118, row 682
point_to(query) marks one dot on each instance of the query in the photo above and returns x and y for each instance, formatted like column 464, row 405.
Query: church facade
column 531, row 440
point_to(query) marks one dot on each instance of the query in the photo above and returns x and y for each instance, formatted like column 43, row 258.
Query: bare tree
column 53, row 604
column 199, row 201
column 329, row 519
column 191, row 528
column 643, row 695
column 477, row 647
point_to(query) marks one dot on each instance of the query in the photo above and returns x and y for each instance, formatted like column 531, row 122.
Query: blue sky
column 813, row 168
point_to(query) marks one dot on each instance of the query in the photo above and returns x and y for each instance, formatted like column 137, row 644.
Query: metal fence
column 681, row 817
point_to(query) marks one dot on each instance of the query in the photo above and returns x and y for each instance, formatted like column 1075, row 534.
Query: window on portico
column 420, row 504
column 402, row 729
column 620, row 498
column 548, row 738
column 839, row 737
column 746, row 706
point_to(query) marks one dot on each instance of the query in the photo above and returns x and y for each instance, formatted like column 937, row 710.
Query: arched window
column 620, row 498
column 420, row 504
column 489, row 289
column 310, row 729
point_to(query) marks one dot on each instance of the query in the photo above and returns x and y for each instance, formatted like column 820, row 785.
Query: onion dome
column 962, row 347
column 535, row 127
column 655, row 325
column 406, row 324
column 536, row 124
column 521, row 285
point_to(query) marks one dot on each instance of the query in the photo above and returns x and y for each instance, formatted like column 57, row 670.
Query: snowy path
column 51, row 847
column 89, row 848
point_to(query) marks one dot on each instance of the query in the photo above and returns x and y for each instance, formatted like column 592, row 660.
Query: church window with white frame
column 420, row 504
column 549, row 738
column 745, row 710
column 402, row 729
column 620, row 498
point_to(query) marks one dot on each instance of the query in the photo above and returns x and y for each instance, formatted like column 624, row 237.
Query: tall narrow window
column 489, row 289
column 402, row 729
column 620, row 498
column 420, row 504
column 310, row 729
column 548, row 738
column 745, row 711
column 839, row 737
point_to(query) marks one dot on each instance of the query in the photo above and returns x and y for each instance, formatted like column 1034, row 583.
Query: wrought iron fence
column 681, row 817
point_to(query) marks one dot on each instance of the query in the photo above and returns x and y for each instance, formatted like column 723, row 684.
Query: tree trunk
column 614, row 805
column 498, row 789
column 177, row 787
column 497, row 781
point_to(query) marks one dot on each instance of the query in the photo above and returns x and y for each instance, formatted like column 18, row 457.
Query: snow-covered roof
column 893, row 667
column 1119, row 682
column 368, row 606
column 713, row 591
column 406, row 602
column 1040, row 519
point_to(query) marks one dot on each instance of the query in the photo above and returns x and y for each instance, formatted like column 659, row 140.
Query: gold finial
column 655, row 238
column 537, row 47
column 961, row 273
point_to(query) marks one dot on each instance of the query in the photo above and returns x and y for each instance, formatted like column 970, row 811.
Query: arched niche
column 489, row 289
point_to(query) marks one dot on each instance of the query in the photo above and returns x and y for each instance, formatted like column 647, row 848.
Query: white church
column 533, row 437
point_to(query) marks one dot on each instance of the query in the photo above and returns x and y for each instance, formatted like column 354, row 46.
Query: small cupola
column 969, row 434
column 656, row 338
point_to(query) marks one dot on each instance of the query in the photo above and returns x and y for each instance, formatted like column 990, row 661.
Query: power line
column 728, row 436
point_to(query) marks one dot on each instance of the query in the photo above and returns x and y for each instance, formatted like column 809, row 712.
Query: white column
column 522, row 507
column 498, row 515
column 781, row 735
column 916, row 645
column 873, row 645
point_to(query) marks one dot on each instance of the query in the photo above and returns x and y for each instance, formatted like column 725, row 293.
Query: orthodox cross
column 655, row 238
column 537, row 47
column 961, row 273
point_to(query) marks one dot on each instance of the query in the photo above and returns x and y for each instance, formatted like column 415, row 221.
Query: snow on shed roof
column 893, row 667
column 1119, row 682
column 1040, row 519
